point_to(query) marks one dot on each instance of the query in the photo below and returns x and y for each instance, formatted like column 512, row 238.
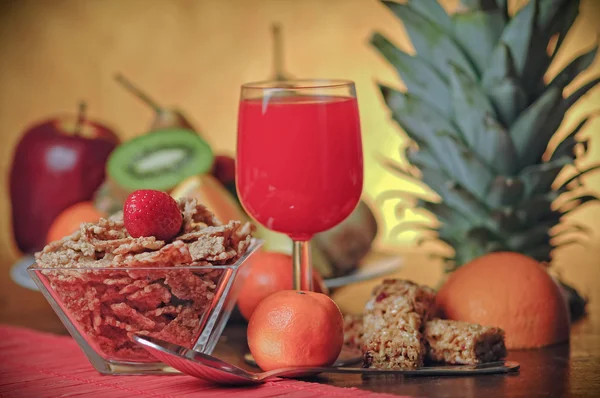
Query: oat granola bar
column 455, row 342
column 393, row 322
column 101, row 278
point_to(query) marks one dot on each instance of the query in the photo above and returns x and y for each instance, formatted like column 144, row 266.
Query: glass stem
column 302, row 266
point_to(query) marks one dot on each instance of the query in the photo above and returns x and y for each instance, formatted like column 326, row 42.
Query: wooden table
column 559, row 371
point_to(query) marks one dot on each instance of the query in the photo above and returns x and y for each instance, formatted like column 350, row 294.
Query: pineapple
column 481, row 115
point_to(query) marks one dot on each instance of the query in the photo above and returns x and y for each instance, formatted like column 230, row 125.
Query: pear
column 346, row 244
column 164, row 117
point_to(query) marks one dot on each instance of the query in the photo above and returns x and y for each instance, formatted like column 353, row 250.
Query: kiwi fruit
column 159, row 160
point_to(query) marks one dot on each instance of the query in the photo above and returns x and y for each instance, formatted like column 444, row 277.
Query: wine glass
column 299, row 167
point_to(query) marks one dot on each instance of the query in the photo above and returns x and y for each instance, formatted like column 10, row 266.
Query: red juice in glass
column 299, row 161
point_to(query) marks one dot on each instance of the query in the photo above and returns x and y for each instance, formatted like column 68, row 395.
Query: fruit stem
column 80, row 118
column 277, row 52
column 138, row 92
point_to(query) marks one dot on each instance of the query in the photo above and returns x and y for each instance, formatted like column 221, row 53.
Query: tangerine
column 511, row 291
column 69, row 220
column 295, row 328
column 269, row 272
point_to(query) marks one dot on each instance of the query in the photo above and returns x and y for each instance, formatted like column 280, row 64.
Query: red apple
column 57, row 163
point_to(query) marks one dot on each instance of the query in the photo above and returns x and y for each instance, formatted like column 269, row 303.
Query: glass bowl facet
column 102, row 308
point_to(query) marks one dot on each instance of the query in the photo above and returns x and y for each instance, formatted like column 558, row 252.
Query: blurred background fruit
column 509, row 290
column 158, row 160
column 208, row 191
column 106, row 200
column 268, row 273
column 346, row 244
column 224, row 170
column 57, row 163
column 69, row 220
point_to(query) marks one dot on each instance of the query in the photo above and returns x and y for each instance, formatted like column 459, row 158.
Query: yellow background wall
column 196, row 53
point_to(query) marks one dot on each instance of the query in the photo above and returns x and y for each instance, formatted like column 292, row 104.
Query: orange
column 69, row 220
column 295, row 328
column 509, row 290
column 269, row 272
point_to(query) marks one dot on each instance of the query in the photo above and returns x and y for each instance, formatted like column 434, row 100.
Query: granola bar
column 455, row 342
column 393, row 323
column 99, row 275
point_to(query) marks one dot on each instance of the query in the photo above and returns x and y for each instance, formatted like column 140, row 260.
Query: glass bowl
column 103, row 307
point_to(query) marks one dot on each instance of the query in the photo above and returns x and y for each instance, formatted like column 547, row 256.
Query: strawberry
column 152, row 213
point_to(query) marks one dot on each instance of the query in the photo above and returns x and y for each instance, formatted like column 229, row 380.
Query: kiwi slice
column 159, row 160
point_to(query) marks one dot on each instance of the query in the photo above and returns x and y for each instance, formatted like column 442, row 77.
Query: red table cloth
column 40, row 365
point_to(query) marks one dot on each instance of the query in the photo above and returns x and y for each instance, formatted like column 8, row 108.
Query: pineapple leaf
column 549, row 21
column 500, row 66
column 454, row 195
column 486, row 239
column 475, row 117
column 505, row 220
column 446, row 215
column 503, row 5
column 561, row 25
column 431, row 42
column 525, row 132
column 518, row 35
column 568, row 144
column 463, row 166
column 548, row 13
column 484, row 5
column 538, row 178
column 581, row 173
column 438, row 137
column 537, row 208
column 536, row 145
column 450, row 235
column 433, row 11
column 421, row 159
column 509, row 99
column 503, row 88
column 416, row 118
column 421, row 79
column 571, row 71
column 505, row 191
column 530, row 238
column 478, row 32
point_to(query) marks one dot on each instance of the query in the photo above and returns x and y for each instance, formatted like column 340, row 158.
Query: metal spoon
column 216, row 371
